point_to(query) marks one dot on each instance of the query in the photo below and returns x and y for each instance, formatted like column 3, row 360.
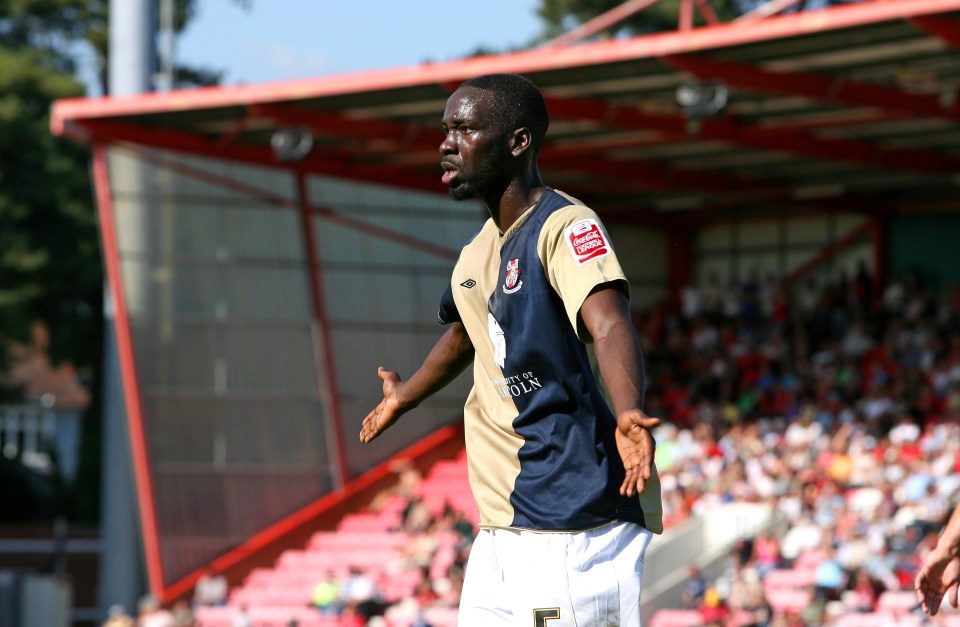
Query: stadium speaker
column 292, row 143
column 701, row 100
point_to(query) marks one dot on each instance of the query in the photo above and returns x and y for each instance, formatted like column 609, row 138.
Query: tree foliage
column 50, row 261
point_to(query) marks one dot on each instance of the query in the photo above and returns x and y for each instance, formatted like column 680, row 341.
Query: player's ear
column 520, row 141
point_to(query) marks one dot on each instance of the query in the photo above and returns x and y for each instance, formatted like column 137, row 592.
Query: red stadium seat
column 897, row 602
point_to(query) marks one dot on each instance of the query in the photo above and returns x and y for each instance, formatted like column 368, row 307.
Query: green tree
column 50, row 262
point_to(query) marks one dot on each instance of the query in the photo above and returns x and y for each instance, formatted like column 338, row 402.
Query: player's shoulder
column 564, row 208
column 565, row 211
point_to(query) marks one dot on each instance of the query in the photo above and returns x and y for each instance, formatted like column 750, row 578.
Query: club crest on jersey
column 512, row 282
column 586, row 241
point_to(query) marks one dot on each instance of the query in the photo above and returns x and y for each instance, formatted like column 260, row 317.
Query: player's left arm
column 605, row 315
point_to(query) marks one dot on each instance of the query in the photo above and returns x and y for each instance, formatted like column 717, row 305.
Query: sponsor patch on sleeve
column 586, row 241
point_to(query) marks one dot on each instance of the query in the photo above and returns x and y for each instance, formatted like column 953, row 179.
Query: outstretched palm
column 387, row 411
column 637, row 447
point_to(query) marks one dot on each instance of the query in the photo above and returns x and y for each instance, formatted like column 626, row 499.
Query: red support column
column 329, row 382
column 128, row 373
column 686, row 15
column 679, row 263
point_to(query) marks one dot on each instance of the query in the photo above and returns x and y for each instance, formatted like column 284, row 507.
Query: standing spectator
column 117, row 617
column 210, row 589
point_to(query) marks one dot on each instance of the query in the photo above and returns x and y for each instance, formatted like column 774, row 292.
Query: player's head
column 494, row 125
column 517, row 103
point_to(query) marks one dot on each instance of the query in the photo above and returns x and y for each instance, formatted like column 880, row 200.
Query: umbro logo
column 468, row 283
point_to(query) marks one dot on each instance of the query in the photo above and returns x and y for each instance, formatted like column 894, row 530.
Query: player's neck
column 519, row 195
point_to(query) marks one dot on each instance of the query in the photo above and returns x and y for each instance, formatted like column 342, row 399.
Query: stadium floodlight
column 292, row 143
column 700, row 100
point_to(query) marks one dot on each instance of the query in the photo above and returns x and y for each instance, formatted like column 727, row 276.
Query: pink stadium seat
column 809, row 560
column 897, row 601
column 676, row 618
column 441, row 616
column 877, row 619
column 788, row 600
column 788, row 578
column 214, row 616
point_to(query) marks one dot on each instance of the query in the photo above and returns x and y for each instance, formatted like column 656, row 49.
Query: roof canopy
column 853, row 106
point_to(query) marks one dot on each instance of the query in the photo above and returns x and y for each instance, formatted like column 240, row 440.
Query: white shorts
column 529, row 579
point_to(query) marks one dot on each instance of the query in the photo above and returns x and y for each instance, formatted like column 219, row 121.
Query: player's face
column 475, row 152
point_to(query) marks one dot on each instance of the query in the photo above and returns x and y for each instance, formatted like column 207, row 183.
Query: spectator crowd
column 840, row 410
column 838, row 404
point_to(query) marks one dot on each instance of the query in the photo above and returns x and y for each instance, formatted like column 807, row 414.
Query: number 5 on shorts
column 541, row 616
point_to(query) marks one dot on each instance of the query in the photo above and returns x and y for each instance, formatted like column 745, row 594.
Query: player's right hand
column 387, row 412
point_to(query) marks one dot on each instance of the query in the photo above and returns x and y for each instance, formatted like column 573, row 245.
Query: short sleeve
column 577, row 256
column 448, row 312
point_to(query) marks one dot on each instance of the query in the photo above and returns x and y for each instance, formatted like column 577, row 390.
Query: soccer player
column 940, row 571
column 567, row 490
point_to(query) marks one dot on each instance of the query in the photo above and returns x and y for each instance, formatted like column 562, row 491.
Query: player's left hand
column 939, row 576
column 636, row 446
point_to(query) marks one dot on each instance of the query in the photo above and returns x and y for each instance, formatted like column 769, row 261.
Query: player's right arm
column 450, row 356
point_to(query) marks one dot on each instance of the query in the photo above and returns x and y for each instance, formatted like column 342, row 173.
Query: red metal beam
column 259, row 155
column 646, row 175
column 685, row 18
column 369, row 129
column 944, row 29
column 821, row 88
column 133, row 406
column 829, row 252
column 268, row 197
column 728, row 130
column 766, row 10
column 601, row 23
column 709, row 15
column 327, row 379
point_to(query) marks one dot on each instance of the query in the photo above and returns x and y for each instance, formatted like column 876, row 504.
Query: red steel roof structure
column 854, row 105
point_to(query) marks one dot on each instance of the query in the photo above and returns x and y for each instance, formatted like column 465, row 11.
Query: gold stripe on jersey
column 493, row 462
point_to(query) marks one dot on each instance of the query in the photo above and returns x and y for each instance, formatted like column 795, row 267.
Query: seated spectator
column 182, row 614
column 152, row 614
column 693, row 589
column 326, row 594
column 359, row 595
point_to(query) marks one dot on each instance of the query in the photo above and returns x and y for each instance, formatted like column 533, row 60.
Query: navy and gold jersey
column 540, row 437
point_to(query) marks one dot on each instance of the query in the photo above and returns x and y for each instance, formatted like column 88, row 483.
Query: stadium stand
column 846, row 418
column 855, row 443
